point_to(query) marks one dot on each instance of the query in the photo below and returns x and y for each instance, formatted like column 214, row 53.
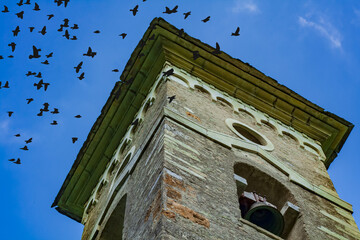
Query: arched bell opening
column 265, row 201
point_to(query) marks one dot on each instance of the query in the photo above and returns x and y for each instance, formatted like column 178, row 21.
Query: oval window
column 249, row 134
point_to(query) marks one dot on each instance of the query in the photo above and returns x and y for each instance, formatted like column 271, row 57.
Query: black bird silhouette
column 10, row 113
column 16, row 31
column 61, row 28
column 54, row 123
column 18, row 161
column 136, row 122
column 29, row 73
column 66, row 2
column 6, row 85
column 90, row 53
column 115, row 70
column 196, row 54
column 6, row 9
column 10, row 56
column 39, row 85
column 29, row 100
column 171, row 98
column 12, row 45
column 39, row 75
column 170, row 11
column 75, row 27
column 1, row 57
column 217, row 49
column 12, row 160
column 50, row 16
column 123, row 35
column 46, row 62
column 78, row 67
column 206, row 19
column 36, row 7
column 43, row 31
column 40, row 113
column 31, row 29
column 35, row 53
column 236, row 33
column 20, row 3
column 97, row 31
column 55, row 111
column 67, row 35
column 78, row 116
column 49, row 55
column 20, row 14
column 28, row 141
column 24, row 148
column 81, row 77
column 66, row 22
column 73, row 38
column 46, row 107
column 74, row 139
column 187, row 14
column 168, row 72
column 17, row 135
column 46, row 86
column 27, row 2
column 135, row 10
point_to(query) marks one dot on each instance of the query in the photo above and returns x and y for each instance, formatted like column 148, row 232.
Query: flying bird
column 50, row 16
column 46, row 107
column 17, row 161
column 135, row 10
column 206, row 19
column 10, row 113
column 217, row 49
column 115, row 70
column 236, row 33
column 1, row 57
column 168, row 72
column 81, row 77
column 43, row 31
column 35, row 53
column 49, row 55
column 123, row 35
column 24, row 148
column 55, row 111
column 20, row 3
column 61, row 28
column 11, row 56
column 74, row 139
column 6, row 85
column 20, row 14
column 6, row 9
column 28, row 141
column 17, row 135
column 66, row 22
column 16, row 31
column 12, row 45
column 170, row 11
column 90, row 53
column 78, row 67
column 27, row 2
column 39, row 75
column 187, row 14
column 31, row 29
column 171, row 98
column 54, row 123
column 29, row 73
column 46, row 62
column 39, row 85
column 97, row 31
column 29, row 100
column 40, row 113
column 12, row 160
column 75, row 27
column 46, row 86
column 67, row 35
column 78, row 116
column 73, row 38
column 36, row 7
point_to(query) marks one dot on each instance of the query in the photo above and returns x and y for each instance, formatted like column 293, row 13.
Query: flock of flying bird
column 64, row 27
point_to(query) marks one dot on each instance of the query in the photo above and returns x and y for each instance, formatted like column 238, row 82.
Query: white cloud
column 325, row 29
column 245, row 6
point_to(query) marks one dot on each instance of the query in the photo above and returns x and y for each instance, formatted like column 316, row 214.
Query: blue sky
column 312, row 47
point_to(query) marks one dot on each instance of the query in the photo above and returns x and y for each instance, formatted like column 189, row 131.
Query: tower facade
column 205, row 147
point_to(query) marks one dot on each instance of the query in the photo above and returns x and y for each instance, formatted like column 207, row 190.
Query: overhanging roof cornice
column 231, row 75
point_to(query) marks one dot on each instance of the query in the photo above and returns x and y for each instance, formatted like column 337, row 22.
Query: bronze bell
column 266, row 216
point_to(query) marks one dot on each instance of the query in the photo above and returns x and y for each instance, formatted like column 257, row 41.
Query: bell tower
column 194, row 144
